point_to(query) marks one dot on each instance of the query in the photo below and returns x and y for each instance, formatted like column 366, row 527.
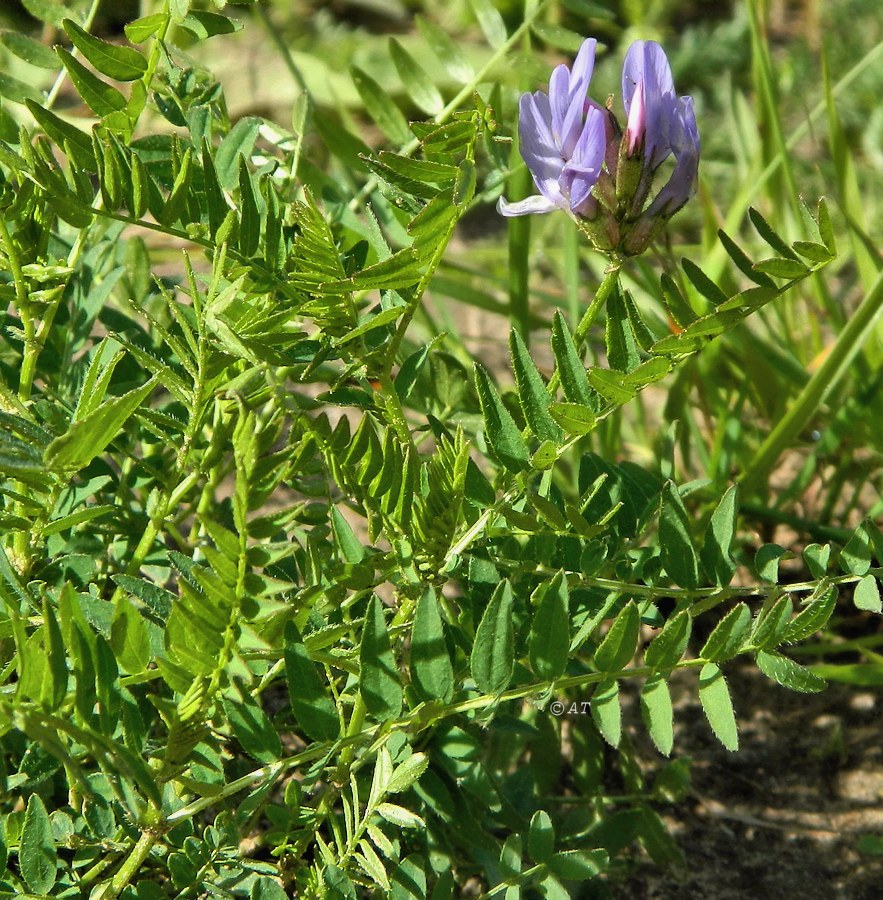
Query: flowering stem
column 858, row 329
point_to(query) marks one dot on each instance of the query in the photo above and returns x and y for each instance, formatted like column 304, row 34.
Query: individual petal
column 534, row 204
column 647, row 65
column 581, row 173
column 637, row 121
column 583, row 66
column 592, row 144
column 685, row 144
column 646, row 62
column 684, row 133
column 537, row 145
column 572, row 126
column 559, row 99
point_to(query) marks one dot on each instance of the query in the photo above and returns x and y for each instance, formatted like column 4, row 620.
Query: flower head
column 563, row 140
column 583, row 163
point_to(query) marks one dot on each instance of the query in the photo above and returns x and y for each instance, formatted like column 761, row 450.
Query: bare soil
column 782, row 817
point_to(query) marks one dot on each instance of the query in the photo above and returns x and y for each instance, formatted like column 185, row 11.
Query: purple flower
column 583, row 163
column 563, row 141
column 684, row 141
column 648, row 94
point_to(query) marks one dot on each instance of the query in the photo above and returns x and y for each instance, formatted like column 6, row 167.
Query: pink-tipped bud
column 637, row 123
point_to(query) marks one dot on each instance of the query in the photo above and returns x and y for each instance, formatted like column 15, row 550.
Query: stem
column 133, row 863
column 858, row 329
column 394, row 409
column 23, row 304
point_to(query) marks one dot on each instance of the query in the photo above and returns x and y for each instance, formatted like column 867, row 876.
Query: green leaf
column 579, row 865
column 675, row 302
column 146, row 27
column 407, row 773
column 855, row 557
column 265, row 888
column 669, row 645
column 716, row 557
column 789, row 673
column 545, row 456
column 714, row 695
column 766, row 562
column 867, row 595
column 557, row 36
column 606, row 711
column 203, row 24
column 728, row 636
column 63, row 133
column 619, row 644
column 90, row 435
column 657, row 711
column 431, row 671
column 814, row 616
column 47, row 11
column 98, row 95
column 214, row 196
column 129, row 638
column 769, row 630
column 574, row 382
column 249, row 214
column 703, row 283
column 55, row 689
column 622, row 346
column 541, row 837
column 253, row 728
column 765, row 230
column 611, row 385
column 381, row 107
column 446, row 49
column 29, row 50
column 310, row 702
column 493, row 653
column 351, row 549
column 782, row 268
column 119, row 63
column 491, row 22
column 573, row 417
column 812, row 251
column 549, row 640
column 740, row 258
column 675, row 541
column 817, row 557
column 826, row 229
column 237, row 145
column 420, row 87
column 379, row 684
column 18, row 91
column 36, row 855
column 398, row 815
column 532, row 392
column 384, row 317
column 657, row 841
column 176, row 203
column 502, row 433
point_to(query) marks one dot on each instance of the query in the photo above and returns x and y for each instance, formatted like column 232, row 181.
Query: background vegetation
column 289, row 584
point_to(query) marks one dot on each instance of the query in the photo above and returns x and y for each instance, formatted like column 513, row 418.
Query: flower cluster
column 584, row 163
